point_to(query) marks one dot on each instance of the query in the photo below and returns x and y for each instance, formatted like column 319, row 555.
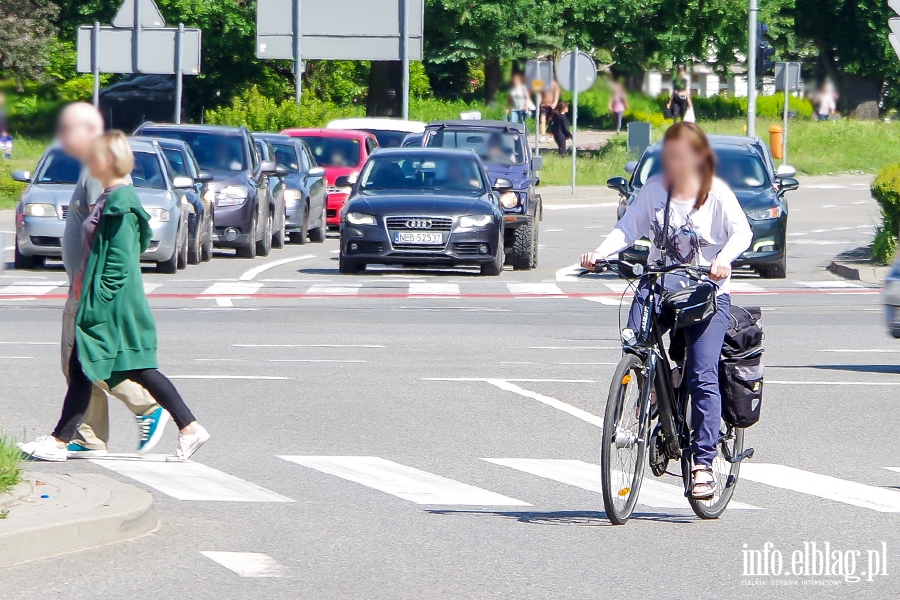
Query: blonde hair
column 115, row 144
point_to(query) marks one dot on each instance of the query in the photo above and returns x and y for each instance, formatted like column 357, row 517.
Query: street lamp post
column 751, row 71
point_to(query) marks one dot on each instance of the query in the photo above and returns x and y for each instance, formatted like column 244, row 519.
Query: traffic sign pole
column 751, row 71
column 179, row 59
column 784, row 134
column 574, row 117
column 298, row 61
column 404, row 54
column 136, row 39
column 95, row 61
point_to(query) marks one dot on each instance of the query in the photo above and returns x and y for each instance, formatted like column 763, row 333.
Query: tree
column 26, row 30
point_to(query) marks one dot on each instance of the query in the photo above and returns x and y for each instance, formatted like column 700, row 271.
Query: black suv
column 503, row 148
column 245, row 211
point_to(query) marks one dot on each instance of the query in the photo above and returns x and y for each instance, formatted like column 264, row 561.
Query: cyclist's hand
column 719, row 270
column 589, row 259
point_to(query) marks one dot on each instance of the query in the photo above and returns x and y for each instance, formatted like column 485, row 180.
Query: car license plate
column 403, row 237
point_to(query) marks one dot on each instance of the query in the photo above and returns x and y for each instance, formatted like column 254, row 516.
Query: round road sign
column 587, row 72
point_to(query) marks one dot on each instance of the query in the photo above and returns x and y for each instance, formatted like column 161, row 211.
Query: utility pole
column 751, row 71
column 298, row 60
column 404, row 54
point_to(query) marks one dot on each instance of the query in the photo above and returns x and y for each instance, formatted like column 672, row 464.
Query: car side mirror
column 537, row 163
column 316, row 172
column 267, row 167
column 786, row 171
column 503, row 185
column 620, row 184
column 344, row 181
column 23, row 176
column 203, row 177
column 788, row 184
column 631, row 167
column 182, row 183
column 281, row 171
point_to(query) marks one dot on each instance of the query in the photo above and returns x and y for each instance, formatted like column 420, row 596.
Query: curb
column 15, row 495
column 842, row 270
column 80, row 511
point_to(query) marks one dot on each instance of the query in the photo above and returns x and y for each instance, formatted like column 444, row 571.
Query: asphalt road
column 423, row 434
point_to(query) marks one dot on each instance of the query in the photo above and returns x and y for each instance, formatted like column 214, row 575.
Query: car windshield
column 494, row 147
column 147, row 172
column 286, row 156
column 387, row 138
column 334, row 151
column 59, row 168
column 412, row 172
column 740, row 168
column 213, row 151
column 176, row 161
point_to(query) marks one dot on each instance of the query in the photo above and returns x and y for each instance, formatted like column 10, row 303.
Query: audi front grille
column 419, row 223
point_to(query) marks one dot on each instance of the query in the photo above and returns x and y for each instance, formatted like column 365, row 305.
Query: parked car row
column 203, row 186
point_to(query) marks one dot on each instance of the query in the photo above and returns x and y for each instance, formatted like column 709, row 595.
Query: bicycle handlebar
column 638, row 270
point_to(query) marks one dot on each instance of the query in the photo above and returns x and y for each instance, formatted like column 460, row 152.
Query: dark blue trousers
column 701, row 372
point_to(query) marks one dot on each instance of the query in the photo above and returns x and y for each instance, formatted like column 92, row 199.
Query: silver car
column 42, row 210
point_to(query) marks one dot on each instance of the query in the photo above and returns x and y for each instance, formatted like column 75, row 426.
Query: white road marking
column 314, row 360
column 190, row 480
column 618, row 286
column 232, row 288
column 848, row 383
column 433, row 289
column 553, row 230
column 9, row 248
column 826, row 186
column 250, row 377
column 29, row 288
column 569, row 273
column 739, row 286
column 513, row 380
column 307, row 346
column 550, row 289
column 576, row 206
column 403, row 482
column 29, row 343
column 574, row 347
column 822, row 486
column 806, row 242
column 828, row 284
column 607, row 364
column 247, row 564
column 16, row 357
column 867, row 350
column 225, row 302
column 588, row 476
column 585, row 416
column 607, row 301
column 251, row 274
column 335, row 290
column 149, row 288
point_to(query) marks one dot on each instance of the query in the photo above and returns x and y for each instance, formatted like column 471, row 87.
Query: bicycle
column 627, row 435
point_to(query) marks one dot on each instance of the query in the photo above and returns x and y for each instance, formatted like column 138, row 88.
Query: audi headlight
column 39, row 210
column 232, row 195
column 475, row 220
column 360, row 219
column 765, row 214
column 509, row 200
column 291, row 195
column 158, row 214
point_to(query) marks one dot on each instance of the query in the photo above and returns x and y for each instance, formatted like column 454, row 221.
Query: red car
column 340, row 152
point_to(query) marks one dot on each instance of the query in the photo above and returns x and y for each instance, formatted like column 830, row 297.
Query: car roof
column 477, row 124
column 142, row 144
column 378, row 124
column 273, row 137
column 720, row 141
column 350, row 134
column 163, row 141
column 190, row 127
column 405, row 151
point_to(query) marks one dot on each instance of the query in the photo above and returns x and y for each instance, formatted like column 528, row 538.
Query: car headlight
column 765, row 214
column 509, row 200
column 291, row 195
column 360, row 219
column 158, row 214
column 39, row 210
column 232, row 195
column 475, row 220
column 209, row 196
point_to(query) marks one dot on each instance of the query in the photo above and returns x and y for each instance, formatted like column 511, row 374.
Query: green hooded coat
column 115, row 330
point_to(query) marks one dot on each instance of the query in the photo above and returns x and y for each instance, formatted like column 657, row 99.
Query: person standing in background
column 825, row 101
column 549, row 102
column 519, row 103
column 559, row 127
column 618, row 104
column 80, row 124
column 680, row 101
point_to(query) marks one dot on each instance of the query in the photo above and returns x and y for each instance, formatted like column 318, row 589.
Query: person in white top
column 519, row 103
column 707, row 227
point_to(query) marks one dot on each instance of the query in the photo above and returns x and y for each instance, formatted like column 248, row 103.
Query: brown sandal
column 703, row 482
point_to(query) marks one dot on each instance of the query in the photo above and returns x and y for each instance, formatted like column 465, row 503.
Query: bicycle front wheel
column 624, row 450
column 731, row 444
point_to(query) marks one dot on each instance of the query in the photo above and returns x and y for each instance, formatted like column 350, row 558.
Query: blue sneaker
column 151, row 427
column 76, row 450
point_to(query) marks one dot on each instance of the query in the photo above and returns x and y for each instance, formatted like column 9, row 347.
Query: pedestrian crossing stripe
column 334, row 290
column 232, row 288
column 30, row 288
column 247, row 564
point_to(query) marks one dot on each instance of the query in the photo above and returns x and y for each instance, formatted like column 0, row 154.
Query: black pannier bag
column 741, row 368
column 690, row 305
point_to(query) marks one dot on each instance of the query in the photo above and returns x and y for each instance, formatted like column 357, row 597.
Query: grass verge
column 10, row 464
column 26, row 153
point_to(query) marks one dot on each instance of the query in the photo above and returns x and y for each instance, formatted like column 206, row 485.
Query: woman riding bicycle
column 707, row 228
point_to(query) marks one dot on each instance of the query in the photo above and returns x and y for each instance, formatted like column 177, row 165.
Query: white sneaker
column 44, row 448
column 189, row 444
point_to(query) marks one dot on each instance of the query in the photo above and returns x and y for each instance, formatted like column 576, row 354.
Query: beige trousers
column 94, row 432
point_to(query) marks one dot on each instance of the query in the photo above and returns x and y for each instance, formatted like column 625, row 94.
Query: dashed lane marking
column 247, row 564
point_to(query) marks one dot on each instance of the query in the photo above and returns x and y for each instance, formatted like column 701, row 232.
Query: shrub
column 886, row 191
column 721, row 107
column 261, row 113
column 10, row 464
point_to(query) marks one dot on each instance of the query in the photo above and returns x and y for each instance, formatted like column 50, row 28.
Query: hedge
column 886, row 191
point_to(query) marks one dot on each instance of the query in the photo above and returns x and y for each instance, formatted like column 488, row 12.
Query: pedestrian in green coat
column 115, row 336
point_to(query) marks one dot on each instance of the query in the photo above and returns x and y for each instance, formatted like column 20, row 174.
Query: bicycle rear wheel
column 731, row 444
column 624, row 450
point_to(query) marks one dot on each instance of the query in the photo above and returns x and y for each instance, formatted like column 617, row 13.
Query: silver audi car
column 41, row 211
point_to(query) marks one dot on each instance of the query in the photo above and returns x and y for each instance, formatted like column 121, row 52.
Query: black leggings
column 79, row 397
column 679, row 107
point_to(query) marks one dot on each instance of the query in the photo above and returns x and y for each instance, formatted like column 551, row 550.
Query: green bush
column 10, row 464
column 721, row 107
column 886, row 191
column 260, row 113
column 432, row 109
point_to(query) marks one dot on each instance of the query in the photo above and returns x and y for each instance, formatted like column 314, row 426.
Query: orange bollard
column 776, row 139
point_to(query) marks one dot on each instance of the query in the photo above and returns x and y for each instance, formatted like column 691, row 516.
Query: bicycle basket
column 689, row 306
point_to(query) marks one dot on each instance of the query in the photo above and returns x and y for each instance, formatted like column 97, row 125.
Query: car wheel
column 534, row 244
column 348, row 266
column 182, row 251
column 170, row 266
column 278, row 240
column 264, row 246
column 495, row 267
column 777, row 270
column 207, row 248
column 249, row 251
column 195, row 248
column 523, row 250
column 21, row 261
column 317, row 235
column 301, row 236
